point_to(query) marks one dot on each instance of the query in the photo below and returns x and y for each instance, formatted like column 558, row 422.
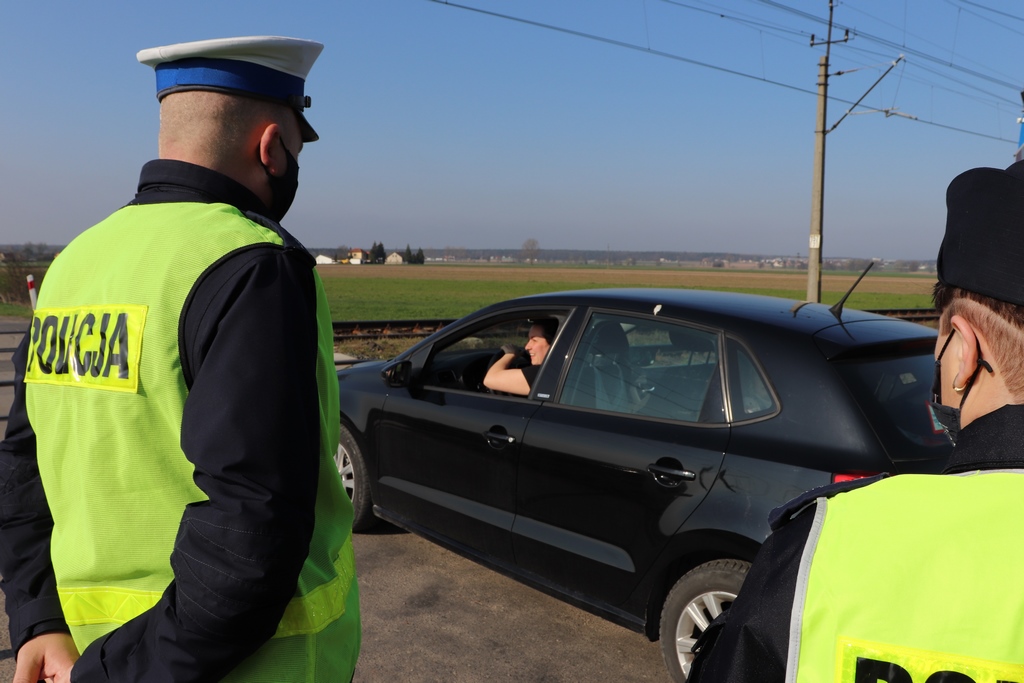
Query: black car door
column 449, row 449
column 612, row 468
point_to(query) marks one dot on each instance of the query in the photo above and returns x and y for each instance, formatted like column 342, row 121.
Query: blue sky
column 630, row 125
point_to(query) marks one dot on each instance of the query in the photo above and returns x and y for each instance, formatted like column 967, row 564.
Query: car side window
column 749, row 393
column 646, row 367
column 462, row 363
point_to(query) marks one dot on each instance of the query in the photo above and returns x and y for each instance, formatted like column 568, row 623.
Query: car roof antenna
column 837, row 308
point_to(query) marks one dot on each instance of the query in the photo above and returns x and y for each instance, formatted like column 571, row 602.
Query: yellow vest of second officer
column 914, row 579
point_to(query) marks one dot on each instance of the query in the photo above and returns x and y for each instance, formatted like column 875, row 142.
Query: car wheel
column 698, row 597
column 352, row 467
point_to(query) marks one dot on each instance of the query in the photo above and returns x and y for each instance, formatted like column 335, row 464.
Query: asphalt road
column 431, row 615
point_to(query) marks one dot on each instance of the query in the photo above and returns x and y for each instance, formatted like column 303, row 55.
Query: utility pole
column 818, row 182
column 820, row 131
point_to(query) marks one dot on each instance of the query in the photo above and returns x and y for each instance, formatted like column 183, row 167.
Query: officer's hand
column 513, row 349
column 49, row 657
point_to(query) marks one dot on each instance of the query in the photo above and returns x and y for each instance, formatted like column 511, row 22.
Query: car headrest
column 609, row 340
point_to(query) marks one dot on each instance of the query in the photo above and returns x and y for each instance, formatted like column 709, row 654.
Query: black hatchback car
column 636, row 478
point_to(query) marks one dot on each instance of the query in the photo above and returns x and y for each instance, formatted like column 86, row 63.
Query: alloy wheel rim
column 694, row 620
column 343, row 461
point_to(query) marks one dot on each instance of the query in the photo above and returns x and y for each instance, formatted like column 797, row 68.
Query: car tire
column 352, row 468
column 697, row 598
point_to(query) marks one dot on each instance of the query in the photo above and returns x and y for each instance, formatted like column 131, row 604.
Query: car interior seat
column 689, row 390
column 605, row 375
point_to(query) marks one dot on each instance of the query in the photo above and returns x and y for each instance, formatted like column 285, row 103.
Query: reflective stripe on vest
column 309, row 613
column 892, row 582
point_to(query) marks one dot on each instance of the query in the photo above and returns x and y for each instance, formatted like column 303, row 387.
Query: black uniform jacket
column 749, row 642
column 248, row 345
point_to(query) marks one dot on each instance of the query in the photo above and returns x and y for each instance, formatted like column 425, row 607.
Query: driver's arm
column 500, row 377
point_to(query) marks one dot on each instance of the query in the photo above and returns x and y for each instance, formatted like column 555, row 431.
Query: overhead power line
column 992, row 10
column 896, row 46
column 688, row 60
column 925, row 40
column 790, row 35
column 757, row 23
column 990, row 20
column 787, row 33
column 621, row 43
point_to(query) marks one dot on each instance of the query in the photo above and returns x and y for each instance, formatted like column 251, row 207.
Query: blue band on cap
column 232, row 74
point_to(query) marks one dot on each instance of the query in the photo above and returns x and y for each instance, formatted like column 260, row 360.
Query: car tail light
column 836, row 478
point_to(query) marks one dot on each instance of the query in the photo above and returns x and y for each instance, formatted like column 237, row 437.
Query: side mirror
column 397, row 374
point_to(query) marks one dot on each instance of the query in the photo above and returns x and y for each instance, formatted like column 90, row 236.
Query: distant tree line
column 859, row 264
column 376, row 253
column 416, row 258
column 531, row 252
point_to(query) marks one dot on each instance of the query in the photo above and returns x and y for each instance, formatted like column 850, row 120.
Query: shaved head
column 215, row 129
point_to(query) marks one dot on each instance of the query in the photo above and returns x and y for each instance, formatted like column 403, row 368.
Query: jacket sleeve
column 30, row 589
column 248, row 344
column 749, row 642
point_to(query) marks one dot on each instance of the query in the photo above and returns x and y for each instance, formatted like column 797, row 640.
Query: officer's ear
column 271, row 150
column 973, row 351
column 965, row 341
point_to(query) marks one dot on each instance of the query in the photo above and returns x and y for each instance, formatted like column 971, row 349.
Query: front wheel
column 352, row 467
column 698, row 597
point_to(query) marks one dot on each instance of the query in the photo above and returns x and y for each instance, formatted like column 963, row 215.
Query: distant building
column 394, row 258
column 358, row 256
column 323, row 260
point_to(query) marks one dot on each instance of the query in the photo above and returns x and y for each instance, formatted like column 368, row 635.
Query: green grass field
column 452, row 291
column 15, row 310
column 383, row 298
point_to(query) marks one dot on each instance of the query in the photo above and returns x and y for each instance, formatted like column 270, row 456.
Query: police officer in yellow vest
column 913, row 578
column 171, row 510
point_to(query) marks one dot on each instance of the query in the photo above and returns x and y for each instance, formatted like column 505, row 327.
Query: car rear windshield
column 894, row 393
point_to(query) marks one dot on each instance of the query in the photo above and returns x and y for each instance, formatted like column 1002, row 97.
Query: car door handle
column 670, row 476
column 499, row 438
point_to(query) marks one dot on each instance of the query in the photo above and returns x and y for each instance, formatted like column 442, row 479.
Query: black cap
column 983, row 248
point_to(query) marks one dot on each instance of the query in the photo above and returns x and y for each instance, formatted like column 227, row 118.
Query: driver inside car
column 505, row 375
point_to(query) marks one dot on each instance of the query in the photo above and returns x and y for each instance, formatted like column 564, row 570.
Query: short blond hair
column 217, row 126
column 1002, row 324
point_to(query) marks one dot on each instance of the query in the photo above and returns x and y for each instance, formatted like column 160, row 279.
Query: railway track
column 374, row 329
column 916, row 315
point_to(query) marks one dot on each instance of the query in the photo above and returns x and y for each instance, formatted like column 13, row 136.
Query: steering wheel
column 495, row 357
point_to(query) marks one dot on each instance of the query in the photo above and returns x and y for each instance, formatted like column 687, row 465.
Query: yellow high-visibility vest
column 914, row 579
column 105, row 395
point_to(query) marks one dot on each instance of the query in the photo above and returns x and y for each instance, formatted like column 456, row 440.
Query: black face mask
column 283, row 187
column 949, row 417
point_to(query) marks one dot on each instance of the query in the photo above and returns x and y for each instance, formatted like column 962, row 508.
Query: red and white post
column 31, row 290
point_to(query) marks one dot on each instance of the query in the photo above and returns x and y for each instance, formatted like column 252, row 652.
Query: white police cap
column 266, row 67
